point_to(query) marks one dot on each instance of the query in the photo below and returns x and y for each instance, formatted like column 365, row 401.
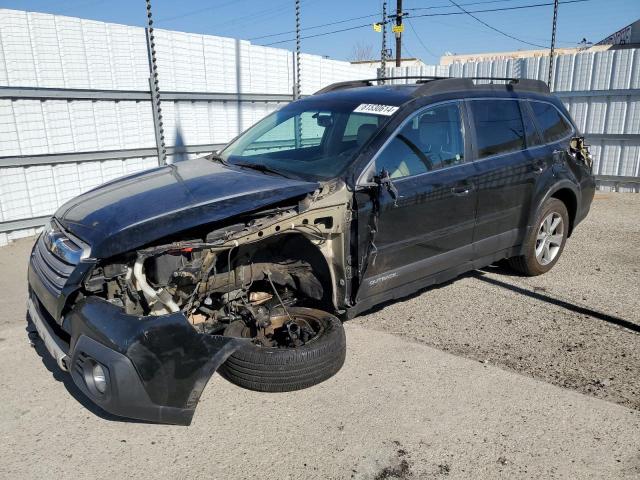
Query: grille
column 52, row 268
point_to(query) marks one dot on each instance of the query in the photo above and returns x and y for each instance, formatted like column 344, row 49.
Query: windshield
column 308, row 139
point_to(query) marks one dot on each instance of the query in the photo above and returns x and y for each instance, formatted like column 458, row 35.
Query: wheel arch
column 295, row 246
column 565, row 191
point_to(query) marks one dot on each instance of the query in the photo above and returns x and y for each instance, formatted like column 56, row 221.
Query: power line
column 445, row 14
column 317, row 26
column 420, row 39
column 463, row 4
column 501, row 9
column 194, row 12
column 346, row 20
column 495, row 29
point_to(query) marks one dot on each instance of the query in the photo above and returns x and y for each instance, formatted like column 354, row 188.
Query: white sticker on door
column 376, row 109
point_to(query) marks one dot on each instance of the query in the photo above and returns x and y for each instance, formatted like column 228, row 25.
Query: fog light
column 99, row 378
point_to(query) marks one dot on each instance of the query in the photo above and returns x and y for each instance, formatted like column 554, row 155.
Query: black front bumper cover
column 156, row 367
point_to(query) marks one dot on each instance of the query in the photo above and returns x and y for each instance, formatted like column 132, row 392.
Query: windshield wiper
column 260, row 167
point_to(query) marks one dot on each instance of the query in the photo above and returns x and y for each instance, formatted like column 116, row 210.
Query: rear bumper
column 155, row 367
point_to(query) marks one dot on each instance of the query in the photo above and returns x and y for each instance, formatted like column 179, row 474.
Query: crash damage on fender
column 152, row 318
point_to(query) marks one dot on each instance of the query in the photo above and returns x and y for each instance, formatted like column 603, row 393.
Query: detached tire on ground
column 545, row 241
column 266, row 369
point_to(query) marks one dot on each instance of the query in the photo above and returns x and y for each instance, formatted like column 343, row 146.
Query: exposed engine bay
column 238, row 280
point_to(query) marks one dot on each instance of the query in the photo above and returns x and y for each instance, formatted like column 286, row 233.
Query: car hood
column 141, row 208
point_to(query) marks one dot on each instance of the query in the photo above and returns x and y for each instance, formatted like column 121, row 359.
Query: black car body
column 348, row 198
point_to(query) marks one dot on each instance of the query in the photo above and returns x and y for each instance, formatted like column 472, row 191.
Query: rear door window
column 498, row 125
column 553, row 125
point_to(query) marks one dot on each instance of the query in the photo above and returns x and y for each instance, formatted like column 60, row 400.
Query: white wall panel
column 633, row 117
column 57, row 124
column 582, row 71
column 83, row 124
column 30, row 126
column 42, row 189
column 9, row 142
column 67, row 182
column 43, row 33
column 72, row 52
column 15, row 37
column 602, row 68
column 14, row 194
column 616, row 115
column 95, row 36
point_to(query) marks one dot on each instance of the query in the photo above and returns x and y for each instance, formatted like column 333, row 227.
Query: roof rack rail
column 349, row 84
column 430, row 85
column 466, row 83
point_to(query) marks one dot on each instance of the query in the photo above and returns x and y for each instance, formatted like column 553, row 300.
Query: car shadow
column 621, row 322
column 410, row 296
column 503, row 269
column 67, row 381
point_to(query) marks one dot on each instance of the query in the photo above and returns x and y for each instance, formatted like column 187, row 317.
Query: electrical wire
column 463, row 4
column 374, row 15
column 195, row 12
column 444, row 14
column 508, row 35
column 346, row 20
column 420, row 39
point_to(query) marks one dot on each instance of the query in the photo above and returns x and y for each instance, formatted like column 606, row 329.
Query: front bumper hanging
column 154, row 368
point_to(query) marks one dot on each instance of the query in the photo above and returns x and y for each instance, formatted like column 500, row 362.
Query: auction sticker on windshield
column 376, row 109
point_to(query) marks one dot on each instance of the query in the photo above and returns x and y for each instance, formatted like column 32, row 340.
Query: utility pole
column 553, row 42
column 383, row 53
column 296, row 87
column 398, row 32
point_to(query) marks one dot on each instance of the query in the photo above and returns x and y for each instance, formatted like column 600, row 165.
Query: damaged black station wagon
column 241, row 262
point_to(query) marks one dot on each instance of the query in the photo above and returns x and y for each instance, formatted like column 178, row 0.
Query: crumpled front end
column 147, row 368
column 142, row 331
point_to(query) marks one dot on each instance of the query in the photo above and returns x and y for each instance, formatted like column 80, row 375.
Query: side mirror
column 324, row 120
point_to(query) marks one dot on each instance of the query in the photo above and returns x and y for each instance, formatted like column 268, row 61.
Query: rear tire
column 545, row 242
column 266, row 369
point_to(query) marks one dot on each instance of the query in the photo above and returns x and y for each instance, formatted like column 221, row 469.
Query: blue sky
column 593, row 19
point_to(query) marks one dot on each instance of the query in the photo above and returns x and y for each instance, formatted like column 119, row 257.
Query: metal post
column 399, row 34
column 296, row 89
column 155, row 90
column 383, row 53
column 553, row 42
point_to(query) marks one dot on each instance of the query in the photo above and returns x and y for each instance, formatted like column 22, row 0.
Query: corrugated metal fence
column 600, row 89
column 75, row 105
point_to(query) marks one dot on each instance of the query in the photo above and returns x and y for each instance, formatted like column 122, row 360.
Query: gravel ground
column 398, row 408
column 577, row 326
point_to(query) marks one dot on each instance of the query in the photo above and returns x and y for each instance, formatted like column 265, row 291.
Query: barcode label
column 376, row 109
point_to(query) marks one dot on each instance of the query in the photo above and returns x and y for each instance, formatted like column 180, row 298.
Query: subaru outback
column 246, row 261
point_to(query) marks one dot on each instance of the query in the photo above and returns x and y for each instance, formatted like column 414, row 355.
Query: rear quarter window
column 552, row 124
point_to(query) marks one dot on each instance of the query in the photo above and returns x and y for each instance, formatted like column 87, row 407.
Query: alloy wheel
column 549, row 239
